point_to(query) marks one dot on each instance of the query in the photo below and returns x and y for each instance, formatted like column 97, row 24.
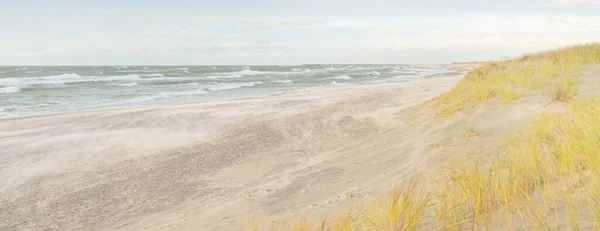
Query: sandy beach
column 299, row 115
column 215, row 165
column 206, row 165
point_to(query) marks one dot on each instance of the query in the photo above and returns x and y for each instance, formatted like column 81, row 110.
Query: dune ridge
column 541, row 175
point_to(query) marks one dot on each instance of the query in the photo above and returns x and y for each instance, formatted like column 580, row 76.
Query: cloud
column 274, row 22
column 195, row 33
column 327, row 39
column 571, row 2
column 263, row 21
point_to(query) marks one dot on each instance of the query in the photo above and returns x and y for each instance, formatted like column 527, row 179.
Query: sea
column 39, row 90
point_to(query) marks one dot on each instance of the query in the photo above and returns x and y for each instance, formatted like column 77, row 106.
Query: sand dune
column 205, row 165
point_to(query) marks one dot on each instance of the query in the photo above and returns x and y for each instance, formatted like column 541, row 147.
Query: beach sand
column 207, row 165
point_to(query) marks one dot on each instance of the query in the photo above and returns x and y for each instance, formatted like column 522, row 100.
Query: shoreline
column 168, row 103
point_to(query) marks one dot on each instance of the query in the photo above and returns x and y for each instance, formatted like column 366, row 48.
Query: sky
column 269, row 32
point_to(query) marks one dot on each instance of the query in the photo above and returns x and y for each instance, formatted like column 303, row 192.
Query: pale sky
column 254, row 32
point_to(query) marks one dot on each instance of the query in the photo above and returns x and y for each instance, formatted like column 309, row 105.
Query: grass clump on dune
column 404, row 209
column 546, row 176
column 509, row 80
column 549, row 169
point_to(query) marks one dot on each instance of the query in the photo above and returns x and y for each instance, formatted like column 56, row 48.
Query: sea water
column 37, row 90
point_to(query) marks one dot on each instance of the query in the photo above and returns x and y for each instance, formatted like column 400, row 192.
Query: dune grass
column 506, row 81
column 546, row 176
column 552, row 164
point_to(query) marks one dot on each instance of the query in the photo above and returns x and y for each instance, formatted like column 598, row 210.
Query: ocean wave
column 131, row 84
column 114, row 78
column 404, row 71
column 250, row 72
column 183, row 69
column 169, row 80
column 375, row 73
column 9, row 109
column 34, row 71
column 153, row 75
column 296, row 71
column 335, row 68
column 63, row 79
column 229, row 86
column 180, row 93
column 244, row 72
column 9, row 90
column 342, row 77
column 286, row 81
column 137, row 71
column 231, row 76
column 334, row 83
column 235, row 75
column 189, row 84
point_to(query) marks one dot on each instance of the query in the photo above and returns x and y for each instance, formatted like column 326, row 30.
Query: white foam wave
column 335, row 68
column 334, row 83
column 153, row 75
column 183, row 69
column 114, row 78
column 286, row 81
column 405, row 71
column 9, row 90
column 131, row 84
column 231, row 76
column 342, row 77
column 189, row 84
column 170, row 79
column 250, row 72
column 229, row 86
column 35, row 71
column 295, row 71
column 136, row 71
column 235, row 75
column 63, row 79
column 375, row 73
column 180, row 93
